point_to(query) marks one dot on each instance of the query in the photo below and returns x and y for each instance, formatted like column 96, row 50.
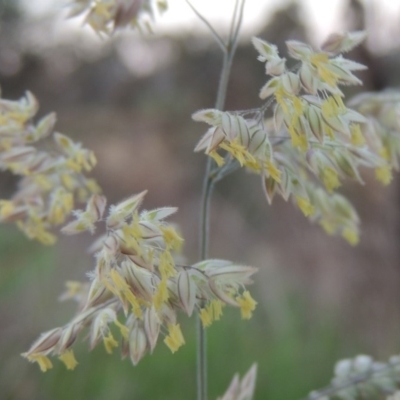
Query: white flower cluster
column 311, row 140
column 136, row 275
column 106, row 16
column 52, row 176
column 382, row 132
column 362, row 378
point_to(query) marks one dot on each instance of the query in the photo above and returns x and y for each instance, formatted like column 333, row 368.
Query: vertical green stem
column 208, row 181
column 204, row 239
column 208, row 186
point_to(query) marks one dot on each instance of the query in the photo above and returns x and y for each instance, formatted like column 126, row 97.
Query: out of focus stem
column 208, row 186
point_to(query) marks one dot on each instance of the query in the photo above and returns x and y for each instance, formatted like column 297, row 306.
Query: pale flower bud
column 270, row 88
column 234, row 127
column 97, row 295
column 343, row 42
column 248, row 384
column 149, row 230
column 139, row 279
column 29, row 104
column 343, row 368
column 211, row 264
column 347, row 166
column 244, row 389
column 276, row 66
column 206, row 139
column 285, row 187
column 298, row 50
column 96, row 206
column 159, row 213
column 45, row 126
column 221, row 294
column 137, row 342
column 308, row 78
column 216, row 138
column 314, row 118
column 123, row 210
column 334, row 43
column 111, row 244
column 291, row 83
column 267, row 50
column 258, row 140
column 233, row 389
column 186, row 291
column 168, row 314
column 345, row 77
column 17, row 155
column 209, row 116
column 46, row 342
column 152, row 325
column 348, row 65
column 68, row 337
column 362, row 363
column 231, row 273
column 269, row 186
column 64, row 143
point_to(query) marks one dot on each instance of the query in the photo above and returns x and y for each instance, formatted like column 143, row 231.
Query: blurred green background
column 130, row 100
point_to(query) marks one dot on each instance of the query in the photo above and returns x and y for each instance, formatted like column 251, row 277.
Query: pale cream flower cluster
column 52, row 173
column 362, row 377
column 136, row 275
column 382, row 111
column 106, row 16
column 311, row 140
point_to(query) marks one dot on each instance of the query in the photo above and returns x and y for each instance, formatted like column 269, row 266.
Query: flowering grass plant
column 303, row 141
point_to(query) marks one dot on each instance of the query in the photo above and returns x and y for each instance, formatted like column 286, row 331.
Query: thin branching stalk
column 228, row 50
column 215, row 34
column 235, row 16
column 234, row 40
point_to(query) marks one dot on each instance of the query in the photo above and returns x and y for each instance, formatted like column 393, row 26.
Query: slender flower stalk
column 228, row 50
